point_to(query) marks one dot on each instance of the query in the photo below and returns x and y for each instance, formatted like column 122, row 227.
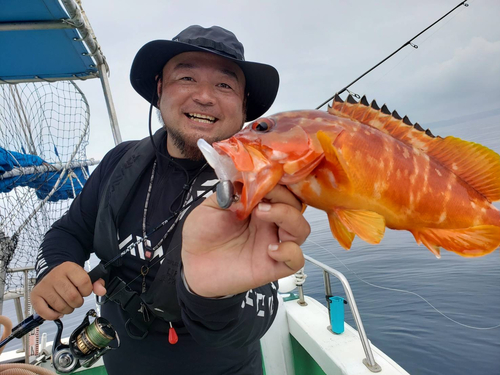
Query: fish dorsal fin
column 473, row 163
column 381, row 118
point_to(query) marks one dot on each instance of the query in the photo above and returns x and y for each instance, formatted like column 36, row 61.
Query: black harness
column 160, row 301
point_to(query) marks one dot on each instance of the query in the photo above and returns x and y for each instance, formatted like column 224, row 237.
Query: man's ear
column 159, row 84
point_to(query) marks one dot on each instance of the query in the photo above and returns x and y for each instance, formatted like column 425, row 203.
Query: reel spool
column 87, row 343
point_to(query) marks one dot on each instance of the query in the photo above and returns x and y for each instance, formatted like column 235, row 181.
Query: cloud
column 319, row 47
column 466, row 83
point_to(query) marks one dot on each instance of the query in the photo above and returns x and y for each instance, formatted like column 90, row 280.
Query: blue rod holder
column 337, row 314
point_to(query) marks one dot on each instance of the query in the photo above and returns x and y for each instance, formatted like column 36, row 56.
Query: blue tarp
column 42, row 182
column 50, row 54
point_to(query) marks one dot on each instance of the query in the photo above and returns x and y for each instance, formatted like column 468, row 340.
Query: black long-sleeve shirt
column 216, row 336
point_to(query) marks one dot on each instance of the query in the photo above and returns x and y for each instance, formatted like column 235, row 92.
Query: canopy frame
column 78, row 21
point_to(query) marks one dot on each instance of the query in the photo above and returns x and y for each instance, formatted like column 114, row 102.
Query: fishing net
column 44, row 130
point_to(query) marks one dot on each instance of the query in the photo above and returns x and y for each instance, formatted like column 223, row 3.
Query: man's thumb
column 98, row 288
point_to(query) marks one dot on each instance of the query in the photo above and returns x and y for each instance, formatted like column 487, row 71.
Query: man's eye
column 187, row 79
column 224, row 85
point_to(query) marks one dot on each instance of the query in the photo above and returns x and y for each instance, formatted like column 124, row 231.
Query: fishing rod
column 464, row 3
column 98, row 272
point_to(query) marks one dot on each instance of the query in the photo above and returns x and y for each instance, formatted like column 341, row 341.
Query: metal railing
column 16, row 295
column 369, row 361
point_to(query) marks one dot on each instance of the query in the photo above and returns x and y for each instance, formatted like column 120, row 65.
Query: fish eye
column 262, row 125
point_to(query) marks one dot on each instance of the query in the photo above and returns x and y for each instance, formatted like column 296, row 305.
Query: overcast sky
column 319, row 47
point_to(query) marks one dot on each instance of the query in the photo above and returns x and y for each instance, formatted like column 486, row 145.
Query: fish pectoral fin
column 368, row 225
column 467, row 242
column 336, row 161
column 343, row 235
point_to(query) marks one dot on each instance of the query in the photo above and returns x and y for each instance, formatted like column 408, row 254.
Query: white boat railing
column 369, row 361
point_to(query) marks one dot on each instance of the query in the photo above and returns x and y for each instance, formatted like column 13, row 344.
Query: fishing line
column 405, row 291
column 377, row 81
column 447, row 22
column 464, row 3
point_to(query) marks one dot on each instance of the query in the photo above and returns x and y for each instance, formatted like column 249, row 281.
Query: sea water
column 402, row 290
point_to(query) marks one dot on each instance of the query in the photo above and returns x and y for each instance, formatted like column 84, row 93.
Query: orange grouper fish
column 369, row 168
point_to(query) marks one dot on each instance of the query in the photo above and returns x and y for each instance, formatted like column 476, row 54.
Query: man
column 198, row 294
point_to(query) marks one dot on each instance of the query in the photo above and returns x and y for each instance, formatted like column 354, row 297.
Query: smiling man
column 195, row 296
column 201, row 95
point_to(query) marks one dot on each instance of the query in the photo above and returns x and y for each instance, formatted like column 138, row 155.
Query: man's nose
column 204, row 94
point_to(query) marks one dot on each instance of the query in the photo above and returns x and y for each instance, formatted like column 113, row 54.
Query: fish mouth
column 199, row 117
column 221, row 163
column 250, row 173
column 225, row 170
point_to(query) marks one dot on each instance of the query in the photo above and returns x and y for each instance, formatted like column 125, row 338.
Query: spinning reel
column 86, row 344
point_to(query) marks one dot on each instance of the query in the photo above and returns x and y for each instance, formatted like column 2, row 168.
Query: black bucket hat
column 262, row 80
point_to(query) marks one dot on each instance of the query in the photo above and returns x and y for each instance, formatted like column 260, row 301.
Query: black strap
column 120, row 189
column 140, row 317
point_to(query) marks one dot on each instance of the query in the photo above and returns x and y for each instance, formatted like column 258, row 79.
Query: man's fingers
column 55, row 303
column 47, row 313
column 69, row 293
column 280, row 194
column 289, row 254
column 61, row 291
column 291, row 223
column 81, row 280
column 42, row 308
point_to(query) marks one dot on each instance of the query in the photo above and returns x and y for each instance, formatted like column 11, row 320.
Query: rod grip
column 98, row 272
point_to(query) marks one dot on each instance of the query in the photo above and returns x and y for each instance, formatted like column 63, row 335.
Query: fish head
column 269, row 151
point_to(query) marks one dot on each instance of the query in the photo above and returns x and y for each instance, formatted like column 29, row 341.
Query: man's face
column 201, row 95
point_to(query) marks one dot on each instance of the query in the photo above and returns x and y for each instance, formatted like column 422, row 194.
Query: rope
column 23, row 369
column 300, row 277
column 18, row 368
column 7, row 329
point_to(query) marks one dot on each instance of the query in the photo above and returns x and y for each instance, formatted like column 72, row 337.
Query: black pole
column 392, row 54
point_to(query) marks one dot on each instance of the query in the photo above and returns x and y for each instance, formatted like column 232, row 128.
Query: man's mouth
column 201, row 118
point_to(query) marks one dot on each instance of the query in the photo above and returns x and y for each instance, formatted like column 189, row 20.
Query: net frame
column 50, row 120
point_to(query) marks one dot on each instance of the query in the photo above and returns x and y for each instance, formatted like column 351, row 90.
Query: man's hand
column 222, row 255
column 62, row 290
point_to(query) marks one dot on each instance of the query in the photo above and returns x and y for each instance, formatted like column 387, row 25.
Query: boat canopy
column 39, row 41
column 51, row 40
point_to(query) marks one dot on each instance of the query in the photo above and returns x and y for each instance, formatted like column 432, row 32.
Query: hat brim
column 262, row 80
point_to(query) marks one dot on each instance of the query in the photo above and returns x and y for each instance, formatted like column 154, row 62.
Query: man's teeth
column 201, row 118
